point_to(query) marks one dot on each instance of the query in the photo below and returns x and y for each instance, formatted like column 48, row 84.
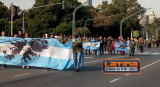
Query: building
column 144, row 20
column 88, row 4
column 97, row 6
column 152, row 17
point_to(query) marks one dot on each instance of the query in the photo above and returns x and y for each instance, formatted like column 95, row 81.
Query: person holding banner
column 157, row 42
column 20, row 35
column 105, row 44
column 112, row 46
column 69, row 39
column 109, row 44
column 61, row 39
column 77, row 52
column 149, row 43
column 87, row 50
column 3, row 33
column 26, row 36
column 132, row 47
column 101, row 45
column 136, row 45
column 141, row 44
column 52, row 36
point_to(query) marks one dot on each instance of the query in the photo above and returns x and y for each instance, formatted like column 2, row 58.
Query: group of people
column 106, row 45
column 20, row 34
column 151, row 42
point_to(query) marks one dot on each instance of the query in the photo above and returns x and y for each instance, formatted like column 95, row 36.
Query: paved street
column 90, row 76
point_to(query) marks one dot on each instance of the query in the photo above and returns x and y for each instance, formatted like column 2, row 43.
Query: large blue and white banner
column 121, row 46
column 92, row 46
column 47, row 53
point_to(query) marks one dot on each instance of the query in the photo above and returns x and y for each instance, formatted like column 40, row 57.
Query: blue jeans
column 77, row 57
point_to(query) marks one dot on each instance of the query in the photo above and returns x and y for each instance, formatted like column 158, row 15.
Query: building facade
column 88, row 4
column 152, row 17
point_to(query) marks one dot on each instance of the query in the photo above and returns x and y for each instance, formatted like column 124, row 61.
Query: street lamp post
column 12, row 18
column 157, row 32
column 63, row 7
column 121, row 25
column 74, row 13
column 91, row 20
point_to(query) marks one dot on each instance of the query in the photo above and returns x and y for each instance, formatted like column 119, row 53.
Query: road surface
column 90, row 76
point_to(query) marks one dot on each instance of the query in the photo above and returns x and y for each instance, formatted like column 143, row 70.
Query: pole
column 12, row 20
column 157, row 32
column 147, row 35
column 91, row 20
column 23, row 24
column 121, row 25
column 74, row 13
column 131, row 33
column 63, row 7
column 87, row 21
column 5, row 25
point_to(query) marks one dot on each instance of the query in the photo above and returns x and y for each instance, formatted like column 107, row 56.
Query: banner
column 121, row 46
column 92, row 46
column 47, row 53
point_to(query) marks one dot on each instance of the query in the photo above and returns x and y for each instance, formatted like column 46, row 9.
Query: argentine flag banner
column 47, row 53
column 91, row 45
column 121, row 46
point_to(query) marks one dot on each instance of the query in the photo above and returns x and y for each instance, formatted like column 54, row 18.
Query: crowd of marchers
column 107, row 45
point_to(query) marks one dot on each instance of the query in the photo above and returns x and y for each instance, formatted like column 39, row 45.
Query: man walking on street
column 77, row 51
column 141, row 44
column 132, row 47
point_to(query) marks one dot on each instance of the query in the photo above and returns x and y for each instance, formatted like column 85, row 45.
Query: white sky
column 25, row 4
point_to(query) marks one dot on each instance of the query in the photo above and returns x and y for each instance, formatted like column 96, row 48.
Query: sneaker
column 77, row 70
column 23, row 67
column 27, row 67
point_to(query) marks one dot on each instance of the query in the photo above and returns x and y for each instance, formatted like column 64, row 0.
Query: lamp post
column 121, row 25
column 63, row 7
column 12, row 8
column 74, row 13
column 157, row 32
column 91, row 20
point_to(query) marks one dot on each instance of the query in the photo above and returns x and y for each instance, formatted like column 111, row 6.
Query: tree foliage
column 39, row 21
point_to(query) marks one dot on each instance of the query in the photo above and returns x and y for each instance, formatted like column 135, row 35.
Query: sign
column 121, row 66
column 136, row 33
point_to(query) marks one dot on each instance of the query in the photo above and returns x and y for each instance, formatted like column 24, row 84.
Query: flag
column 47, row 53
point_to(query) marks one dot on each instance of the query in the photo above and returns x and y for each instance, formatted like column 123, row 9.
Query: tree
column 82, row 31
column 121, row 9
column 51, row 18
column 4, row 16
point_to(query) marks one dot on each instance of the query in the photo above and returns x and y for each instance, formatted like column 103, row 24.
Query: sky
column 26, row 4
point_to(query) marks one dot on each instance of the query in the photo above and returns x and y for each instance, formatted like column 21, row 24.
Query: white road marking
column 155, row 53
column 92, row 61
column 101, row 60
column 88, row 57
column 114, row 80
column 21, row 75
column 150, row 64
column 127, row 74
